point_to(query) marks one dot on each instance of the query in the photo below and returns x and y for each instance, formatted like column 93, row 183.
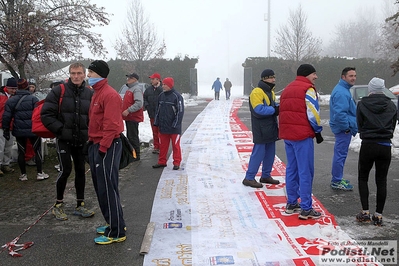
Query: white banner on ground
column 205, row 216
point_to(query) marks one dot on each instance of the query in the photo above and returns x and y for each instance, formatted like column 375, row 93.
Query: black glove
column 276, row 109
column 102, row 154
column 319, row 138
column 6, row 134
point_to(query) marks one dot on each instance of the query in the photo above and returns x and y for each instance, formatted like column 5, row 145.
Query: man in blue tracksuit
column 217, row 86
column 343, row 125
column 264, row 112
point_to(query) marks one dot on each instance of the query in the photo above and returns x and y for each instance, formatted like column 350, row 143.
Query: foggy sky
column 223, row 33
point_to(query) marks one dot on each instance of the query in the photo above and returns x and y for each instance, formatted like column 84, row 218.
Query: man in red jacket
column 133, row 111
column 299, row 123
column 105, row 127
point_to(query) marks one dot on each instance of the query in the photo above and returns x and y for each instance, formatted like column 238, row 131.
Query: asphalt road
column 71, row 242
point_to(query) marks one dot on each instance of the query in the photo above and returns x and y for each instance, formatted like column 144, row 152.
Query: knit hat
column 305, row 70
column 376, row 85
column 12, row 83
column 267, row 73
column 133, row 75
column 23, row 84
column 155, row 76
column 100, row 67
column 168, row 82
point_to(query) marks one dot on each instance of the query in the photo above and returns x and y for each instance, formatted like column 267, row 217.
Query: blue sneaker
column 342, row 185
column 101, row 229
column 103, row 240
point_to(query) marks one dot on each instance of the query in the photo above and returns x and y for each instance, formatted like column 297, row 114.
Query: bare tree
column 41, row 31
column 391, row 29
column 139, row 41
column 294, row 41
column 388, row 37
column 355, row 38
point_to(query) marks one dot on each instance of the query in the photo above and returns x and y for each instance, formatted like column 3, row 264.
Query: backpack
column 128, row 153
column 37, row 125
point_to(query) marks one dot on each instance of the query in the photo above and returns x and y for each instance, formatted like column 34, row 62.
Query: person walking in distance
column 104, row 152
column 150, row 105
column 168, row 118
column 18, row 112
column 299, row 123
column 376, row 117
column 68, row 121
column 6, row 145
column 217, row 86
column 133, row 111
column 264, row 112
column 343, row 125
column 227, row 88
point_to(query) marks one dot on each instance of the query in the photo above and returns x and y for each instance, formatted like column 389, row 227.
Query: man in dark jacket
column 376, row 117
column 264, row 112
column 69, row 123
column 150, row 104
column 18, row 111
column 168, row 118
column 227, row 87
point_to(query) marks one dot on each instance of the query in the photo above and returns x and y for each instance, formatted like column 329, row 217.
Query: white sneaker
column 57, row 167
column 41, row 176
column 23, row 177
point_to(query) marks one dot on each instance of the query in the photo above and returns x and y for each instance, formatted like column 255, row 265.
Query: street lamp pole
column 267, row 18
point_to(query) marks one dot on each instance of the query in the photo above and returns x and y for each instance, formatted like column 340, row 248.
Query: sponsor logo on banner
column 172, row 225
column 221, row 260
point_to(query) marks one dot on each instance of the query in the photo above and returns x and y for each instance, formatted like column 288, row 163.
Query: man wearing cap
column 299, row 123
column 18, row 118
column 133, row 111
column 105, row 149
column 376, row 117
column 150, row 105
column 217, row 86
column 264, row 112
column 6, row 145
column 168, row 118
column 343, row 125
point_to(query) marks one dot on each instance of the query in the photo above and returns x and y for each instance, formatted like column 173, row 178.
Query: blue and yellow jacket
column 263, row 118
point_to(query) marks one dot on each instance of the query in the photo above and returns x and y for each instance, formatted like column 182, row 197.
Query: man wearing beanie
column 343, row 125
column 376, row 117
column 264, row 112
column 105, row 149
column 168, row 119
column 133, row 111
column 6, row 145
column 150, row 104
column 18, row 116
column 299, row 123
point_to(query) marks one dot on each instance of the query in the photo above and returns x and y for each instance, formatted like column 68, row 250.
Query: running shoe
column 58, row 211
column 103, row 240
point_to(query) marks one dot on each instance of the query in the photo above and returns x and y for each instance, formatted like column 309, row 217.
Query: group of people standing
column 88, row 123
column 298, row 123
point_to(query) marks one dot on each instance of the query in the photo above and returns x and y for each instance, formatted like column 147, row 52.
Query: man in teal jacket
column 343, row 125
